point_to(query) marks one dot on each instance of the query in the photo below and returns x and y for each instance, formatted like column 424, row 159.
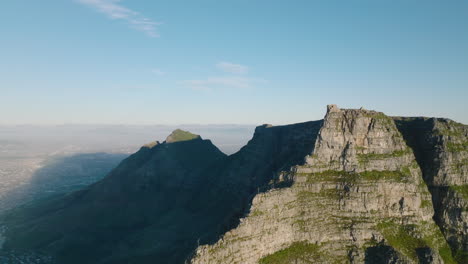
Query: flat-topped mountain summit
column 355, row 187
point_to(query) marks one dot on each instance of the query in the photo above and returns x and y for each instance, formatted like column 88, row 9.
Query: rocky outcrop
column 359, row 197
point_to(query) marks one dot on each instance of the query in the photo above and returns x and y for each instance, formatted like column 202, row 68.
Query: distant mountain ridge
column 333, row 190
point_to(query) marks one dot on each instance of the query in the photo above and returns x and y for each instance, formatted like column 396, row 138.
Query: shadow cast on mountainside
column 381, row 254
column 256, row 168
column 61, row 175
column 165, row 200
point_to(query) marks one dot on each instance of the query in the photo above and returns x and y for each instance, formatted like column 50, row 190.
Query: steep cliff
column 359, row 197
column 441, row 148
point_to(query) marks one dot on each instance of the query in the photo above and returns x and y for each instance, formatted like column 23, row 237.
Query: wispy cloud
column 232, row 67
column 235, row 77
column 158, row 71
column 225, row 82
column 114, row 10
column 231, row 81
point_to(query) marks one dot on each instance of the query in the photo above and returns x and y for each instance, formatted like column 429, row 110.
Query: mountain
column 355, row 187
column 367, row 193
column 116, row 218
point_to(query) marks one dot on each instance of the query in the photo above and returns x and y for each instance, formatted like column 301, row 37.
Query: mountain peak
column 181, row 135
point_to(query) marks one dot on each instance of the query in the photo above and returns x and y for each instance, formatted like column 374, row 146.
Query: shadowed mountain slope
column 160, row 202
column 441, row 149
column 115, row 215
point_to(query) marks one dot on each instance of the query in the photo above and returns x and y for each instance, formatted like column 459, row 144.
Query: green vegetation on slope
column 364, row 158
column 461, row 189
column 457, row 147
column 398, row 175
column 298, row 251
column 256, row 212
column 451, row 128
column 458, row 166
column 407, row 238
column 331, row 175
column 351, row 177
column 180, row 135
column 461, row 256
column 426, row 204
column 380, row 117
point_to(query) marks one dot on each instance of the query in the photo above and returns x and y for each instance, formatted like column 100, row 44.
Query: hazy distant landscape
column 38, row 161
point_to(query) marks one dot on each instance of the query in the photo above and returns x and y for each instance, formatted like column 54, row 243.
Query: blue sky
column 243, row 61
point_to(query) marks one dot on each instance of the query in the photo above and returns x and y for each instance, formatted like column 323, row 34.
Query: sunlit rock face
column 358, row 197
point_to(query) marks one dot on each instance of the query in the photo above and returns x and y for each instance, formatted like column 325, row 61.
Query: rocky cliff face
column 358, row 198
column 255, row 168
column 441, row 148
column 356, row 187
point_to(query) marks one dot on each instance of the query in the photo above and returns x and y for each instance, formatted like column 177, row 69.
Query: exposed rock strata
column 441, row 148
column 359, row 197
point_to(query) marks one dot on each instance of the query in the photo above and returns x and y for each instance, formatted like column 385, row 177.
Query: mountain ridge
column 331, row 161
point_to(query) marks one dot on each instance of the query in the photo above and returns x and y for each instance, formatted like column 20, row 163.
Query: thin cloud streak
column 232, row 81
column 232, row 67
column 158, row 72
column 114, row 10
column 212, row 83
